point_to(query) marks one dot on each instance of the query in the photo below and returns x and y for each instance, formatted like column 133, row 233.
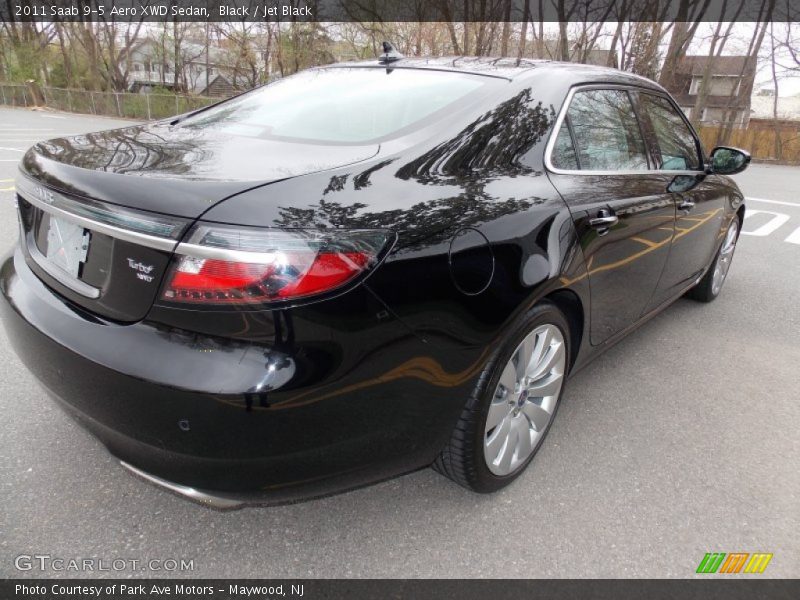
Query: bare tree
column 118, row 40
column 719, row 39
column 687, row 19
column 746, row 87
column 28, row 43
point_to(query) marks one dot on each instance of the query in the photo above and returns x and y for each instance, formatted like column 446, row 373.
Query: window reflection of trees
column 607, row 134
column 488, row 148
column 678, row 148
column 129, row 151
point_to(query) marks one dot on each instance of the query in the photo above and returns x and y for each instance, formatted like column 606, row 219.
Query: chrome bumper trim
column 199, row 496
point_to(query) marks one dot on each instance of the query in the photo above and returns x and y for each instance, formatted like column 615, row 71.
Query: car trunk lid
column 102, row 213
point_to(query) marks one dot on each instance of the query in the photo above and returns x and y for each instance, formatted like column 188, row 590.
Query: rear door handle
column 686, row 205
column 604, row 220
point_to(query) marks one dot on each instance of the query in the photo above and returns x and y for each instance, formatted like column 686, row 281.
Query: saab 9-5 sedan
column 360, row 270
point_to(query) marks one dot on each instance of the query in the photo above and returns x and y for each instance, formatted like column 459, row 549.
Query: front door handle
column 604, row 220
column 686, row 205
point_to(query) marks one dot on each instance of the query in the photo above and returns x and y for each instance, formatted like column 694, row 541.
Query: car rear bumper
column 186, row 412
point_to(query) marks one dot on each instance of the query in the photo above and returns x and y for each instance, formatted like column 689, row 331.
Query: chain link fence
column 15, row 95
column 111, row 104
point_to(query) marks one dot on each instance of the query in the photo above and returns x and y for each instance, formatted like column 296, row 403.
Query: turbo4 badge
column 142, row 270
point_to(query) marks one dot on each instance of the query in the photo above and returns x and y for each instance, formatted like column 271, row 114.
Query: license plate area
column 60, row 248
column 66, row 244
column 105, row 283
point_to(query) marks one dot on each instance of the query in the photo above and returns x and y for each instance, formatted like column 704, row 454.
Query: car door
column 599, row 162
column 699, row 199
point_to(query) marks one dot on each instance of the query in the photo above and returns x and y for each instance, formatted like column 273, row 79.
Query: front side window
column 676, row 141
column 605, row 133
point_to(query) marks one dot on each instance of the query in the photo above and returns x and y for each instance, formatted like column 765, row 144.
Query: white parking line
column 781, row 202
column 794, row 237
column 11, row 149
column 770, row 226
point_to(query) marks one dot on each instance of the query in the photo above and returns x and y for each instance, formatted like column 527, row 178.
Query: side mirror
column 728, row 161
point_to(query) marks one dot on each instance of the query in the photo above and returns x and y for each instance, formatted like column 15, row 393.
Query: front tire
column 711, row 284
column 513, row 405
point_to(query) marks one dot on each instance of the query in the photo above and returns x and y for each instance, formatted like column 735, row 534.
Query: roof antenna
column 389, row 55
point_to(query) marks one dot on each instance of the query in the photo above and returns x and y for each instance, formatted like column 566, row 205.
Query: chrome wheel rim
column 724, row 258
column 524, row 400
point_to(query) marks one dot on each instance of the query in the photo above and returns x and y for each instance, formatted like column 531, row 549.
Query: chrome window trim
column 551, row 142
column 142, row 239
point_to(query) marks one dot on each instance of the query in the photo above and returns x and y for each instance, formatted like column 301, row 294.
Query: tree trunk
column 506, row 34
column 523, row 36
column 778, row 149
column 176, row 48
column 65, row 55
column 563, row 34
column 540, row 38
column 90, row 45
column 611, row 60
column 677, row 43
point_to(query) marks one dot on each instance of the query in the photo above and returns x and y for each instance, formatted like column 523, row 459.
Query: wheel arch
column 570, row 304
column 740, row 215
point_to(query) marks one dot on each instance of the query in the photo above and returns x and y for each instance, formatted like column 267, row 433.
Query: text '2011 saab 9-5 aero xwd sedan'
column 360, row 270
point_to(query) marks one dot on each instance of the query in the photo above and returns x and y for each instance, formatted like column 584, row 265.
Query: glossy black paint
column 329, row 394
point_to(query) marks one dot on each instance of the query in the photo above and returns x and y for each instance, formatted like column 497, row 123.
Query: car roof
column 509, row 69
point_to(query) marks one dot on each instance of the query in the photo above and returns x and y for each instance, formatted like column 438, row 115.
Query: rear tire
column 501, row 429
column 710, row 286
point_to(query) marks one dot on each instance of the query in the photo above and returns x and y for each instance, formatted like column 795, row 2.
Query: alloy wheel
column 525, row 400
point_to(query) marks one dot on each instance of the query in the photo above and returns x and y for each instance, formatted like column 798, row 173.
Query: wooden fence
column 759, row 140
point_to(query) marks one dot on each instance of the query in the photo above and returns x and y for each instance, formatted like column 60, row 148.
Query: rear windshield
column 339, row 105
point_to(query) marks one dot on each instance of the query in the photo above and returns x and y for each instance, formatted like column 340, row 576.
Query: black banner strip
column 415, row 589
column 135, row 11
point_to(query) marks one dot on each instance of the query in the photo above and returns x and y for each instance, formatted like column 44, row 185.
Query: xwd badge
column 142, row 270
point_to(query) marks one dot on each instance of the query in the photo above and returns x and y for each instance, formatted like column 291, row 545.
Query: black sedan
column 359, row 271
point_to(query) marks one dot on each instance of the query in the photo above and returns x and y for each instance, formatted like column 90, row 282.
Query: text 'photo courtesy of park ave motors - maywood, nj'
column 377, row 298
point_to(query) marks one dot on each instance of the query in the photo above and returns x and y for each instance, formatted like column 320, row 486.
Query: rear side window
column 605, row 134
column 564, row 156
column 677, row 143
column 340, row 105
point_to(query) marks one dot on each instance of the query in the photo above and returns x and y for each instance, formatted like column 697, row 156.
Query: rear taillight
column 224, row 264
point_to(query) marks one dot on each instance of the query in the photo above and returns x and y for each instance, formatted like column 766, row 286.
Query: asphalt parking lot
column 681, row 440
